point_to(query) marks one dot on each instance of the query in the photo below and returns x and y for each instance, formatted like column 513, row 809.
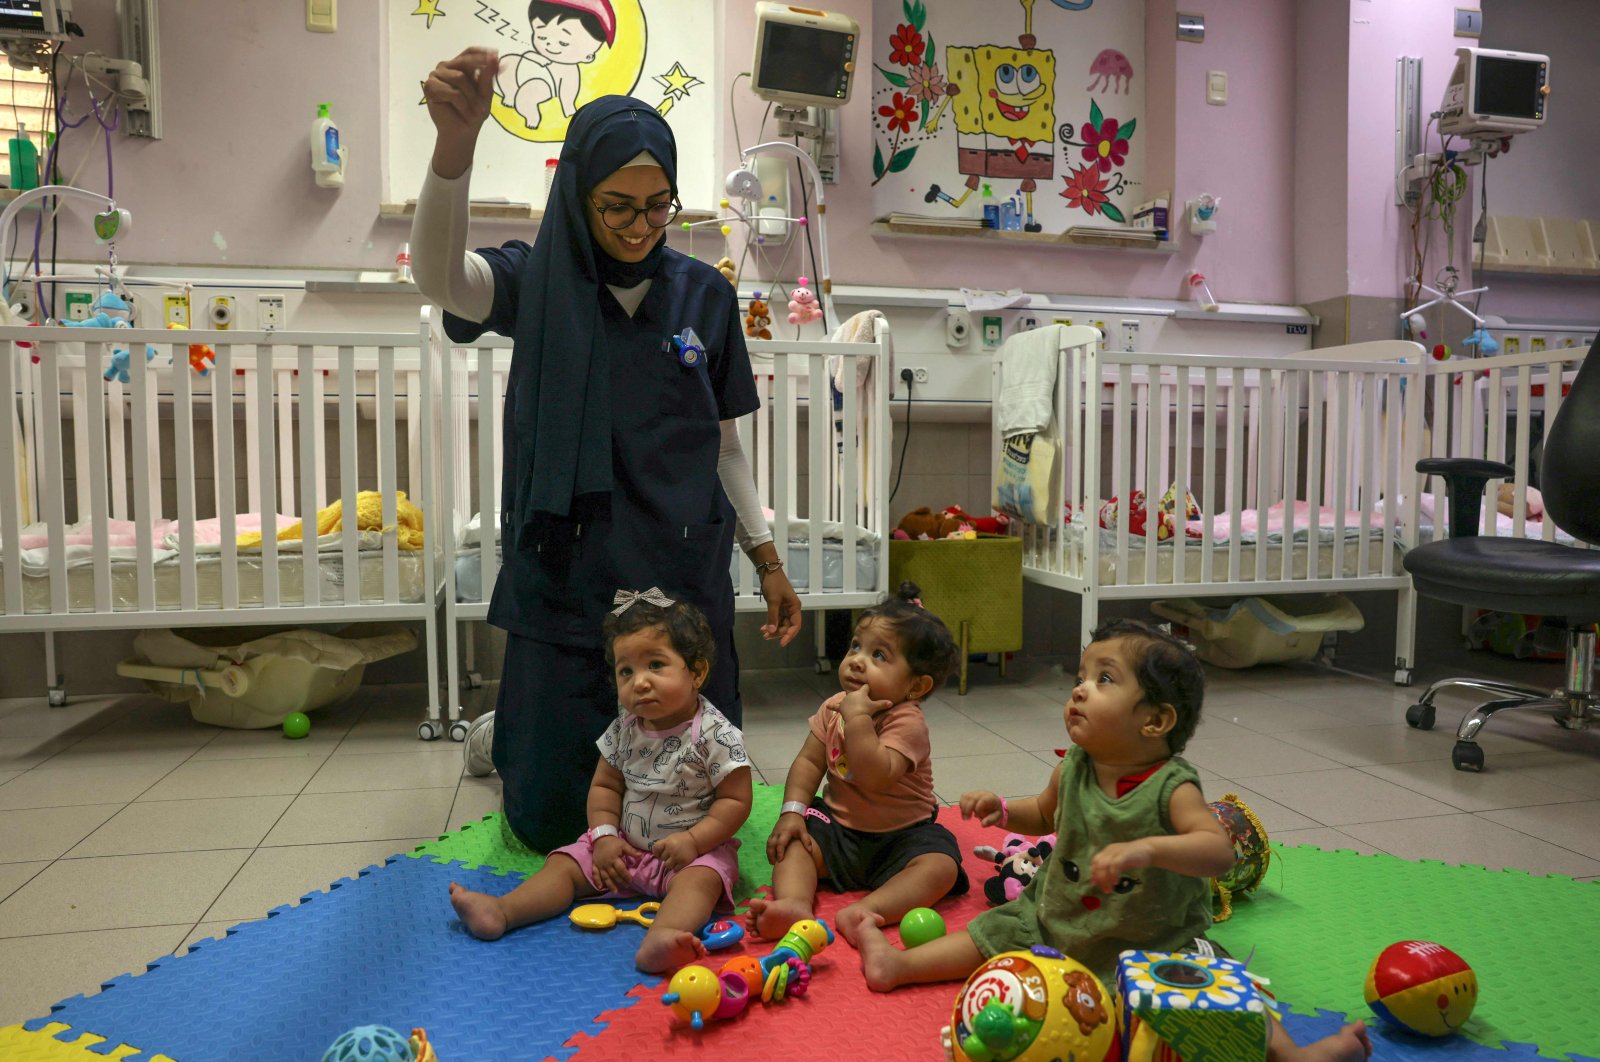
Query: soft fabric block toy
column 1017, row 860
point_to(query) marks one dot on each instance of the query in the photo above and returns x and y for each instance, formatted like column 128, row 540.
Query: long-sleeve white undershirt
column 460, row 281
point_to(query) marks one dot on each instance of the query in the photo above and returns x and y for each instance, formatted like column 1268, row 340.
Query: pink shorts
column 651, row 876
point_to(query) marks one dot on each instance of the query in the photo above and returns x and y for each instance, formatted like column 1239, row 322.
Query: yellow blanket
column 369, row 517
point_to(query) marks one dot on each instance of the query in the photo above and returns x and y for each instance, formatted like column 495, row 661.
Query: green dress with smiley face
column 1150, row 909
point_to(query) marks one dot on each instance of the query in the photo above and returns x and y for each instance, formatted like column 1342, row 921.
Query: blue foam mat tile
column 382, row 948
column 1390, row 1045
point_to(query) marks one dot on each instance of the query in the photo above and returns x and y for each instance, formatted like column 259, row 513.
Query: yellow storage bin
column 974, row 585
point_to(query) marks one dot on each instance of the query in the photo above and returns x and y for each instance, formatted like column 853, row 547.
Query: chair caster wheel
column 458, row 731
column 1467, row 756
column 428, row 730
column 57, row 697
column 1420, row 717
column 1402, row 676
column 472, row 681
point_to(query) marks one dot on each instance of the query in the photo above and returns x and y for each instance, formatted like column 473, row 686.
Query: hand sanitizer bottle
column 327, row 154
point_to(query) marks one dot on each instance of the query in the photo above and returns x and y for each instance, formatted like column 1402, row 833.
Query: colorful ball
column 369, row 1043
column 1031, row 1006
column 1422, row 987
column 920, row 925
column 296, row 725
column 1251, row 852
column 693, row 994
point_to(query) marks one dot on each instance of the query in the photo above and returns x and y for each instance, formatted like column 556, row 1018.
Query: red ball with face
column 1422, row 987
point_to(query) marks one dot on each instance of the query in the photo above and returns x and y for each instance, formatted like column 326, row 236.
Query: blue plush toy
column 111, row 310
column 1486, row 344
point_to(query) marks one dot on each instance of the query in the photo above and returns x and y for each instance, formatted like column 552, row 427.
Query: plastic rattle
column 605, row 916
column 803, row 308
column 696, row 995
column 803, row 941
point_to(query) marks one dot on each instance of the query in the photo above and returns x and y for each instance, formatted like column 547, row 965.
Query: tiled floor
column 128, row 830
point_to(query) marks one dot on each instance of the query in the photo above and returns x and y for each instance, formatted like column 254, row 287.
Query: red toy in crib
column 985, row 525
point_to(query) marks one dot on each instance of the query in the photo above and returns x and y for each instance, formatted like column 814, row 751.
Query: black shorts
column 859, row 860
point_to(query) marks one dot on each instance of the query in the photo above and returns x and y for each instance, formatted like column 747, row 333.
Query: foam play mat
column 385, row 948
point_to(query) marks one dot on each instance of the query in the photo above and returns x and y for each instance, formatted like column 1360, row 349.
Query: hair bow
column 626, row 599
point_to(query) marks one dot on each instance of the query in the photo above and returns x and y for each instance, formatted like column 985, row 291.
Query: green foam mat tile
column 1322, row 917
column 489, row 844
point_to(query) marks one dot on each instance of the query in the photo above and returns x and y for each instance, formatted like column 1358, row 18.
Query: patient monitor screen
column 804, row 60
column 1508, row 87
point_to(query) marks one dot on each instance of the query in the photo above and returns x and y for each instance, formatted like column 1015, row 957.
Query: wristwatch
column 603, row 830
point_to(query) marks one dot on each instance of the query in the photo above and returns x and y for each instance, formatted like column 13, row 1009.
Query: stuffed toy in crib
column 1018, row 859
column 756, row 322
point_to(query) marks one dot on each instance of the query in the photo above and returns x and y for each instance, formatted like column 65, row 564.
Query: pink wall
column 1321, row 152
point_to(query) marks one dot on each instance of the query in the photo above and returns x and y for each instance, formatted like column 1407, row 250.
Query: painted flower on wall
column 901, row 113
column 1105, row 146
column 925, row 82
column 1085, row 190
column 906, row 46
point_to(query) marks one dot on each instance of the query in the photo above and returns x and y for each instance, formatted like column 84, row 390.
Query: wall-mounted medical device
column 28, row 28
column 1495, row 93
column 803, row 56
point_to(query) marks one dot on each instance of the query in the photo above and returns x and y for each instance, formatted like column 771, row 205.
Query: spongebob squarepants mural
column 1003, row 101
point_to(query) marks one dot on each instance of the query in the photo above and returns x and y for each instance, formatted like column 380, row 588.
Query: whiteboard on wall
column 655, row 50
column 1039, row 99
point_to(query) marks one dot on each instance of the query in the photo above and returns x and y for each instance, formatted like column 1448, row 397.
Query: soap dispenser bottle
column 327, row 153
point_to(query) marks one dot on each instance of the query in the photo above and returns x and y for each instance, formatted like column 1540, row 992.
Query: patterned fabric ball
column 1251, row 852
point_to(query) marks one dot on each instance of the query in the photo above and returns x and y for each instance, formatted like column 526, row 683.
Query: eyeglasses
column 619, row 216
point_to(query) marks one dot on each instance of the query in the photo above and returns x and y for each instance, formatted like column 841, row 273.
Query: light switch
column 1216, row 87
column 322, row 16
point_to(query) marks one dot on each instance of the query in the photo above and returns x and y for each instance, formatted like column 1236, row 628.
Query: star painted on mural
column 429, row 8
column 677, row 82
column 423, row 102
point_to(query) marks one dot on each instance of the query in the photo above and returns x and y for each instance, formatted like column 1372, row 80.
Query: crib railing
column 1498, row 408
column 272, row 394
column 1332, row 444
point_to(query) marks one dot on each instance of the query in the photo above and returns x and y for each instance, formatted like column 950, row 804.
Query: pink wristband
column 1005, row 812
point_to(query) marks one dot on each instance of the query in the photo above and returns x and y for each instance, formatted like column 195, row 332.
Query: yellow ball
column 696, row 991
column 1030, row 1007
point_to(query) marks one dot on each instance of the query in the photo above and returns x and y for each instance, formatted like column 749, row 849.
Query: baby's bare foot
column 880, row 960
column 668, row 949
column 479, row 912
column 771, row 919
column 849, row 921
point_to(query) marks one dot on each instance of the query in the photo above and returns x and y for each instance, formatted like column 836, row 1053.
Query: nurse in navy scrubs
column 622, row 466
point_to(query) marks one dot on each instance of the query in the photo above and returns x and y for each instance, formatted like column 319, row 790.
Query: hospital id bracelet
column 603, row 830
column 795, row 806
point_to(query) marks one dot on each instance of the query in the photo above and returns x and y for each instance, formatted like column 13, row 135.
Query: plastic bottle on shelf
column 327, row 153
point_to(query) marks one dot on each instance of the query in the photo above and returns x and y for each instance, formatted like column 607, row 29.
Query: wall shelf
column 1071, row 240
column 504, row 212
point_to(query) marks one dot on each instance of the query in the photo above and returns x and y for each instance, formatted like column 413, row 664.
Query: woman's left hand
column 783, row 607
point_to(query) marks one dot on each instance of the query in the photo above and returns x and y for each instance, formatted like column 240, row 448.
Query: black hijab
column 561, row 363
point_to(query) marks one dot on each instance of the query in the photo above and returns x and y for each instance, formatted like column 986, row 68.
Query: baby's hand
column 983, row 805
column 676, row 850
column 611, row 870
column 859, row 702
column 790, row 827
column 1113, row 861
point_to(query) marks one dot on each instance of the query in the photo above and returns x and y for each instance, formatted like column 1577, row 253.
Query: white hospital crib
column 121, row 503
column 826, row 491
column 1302, row 469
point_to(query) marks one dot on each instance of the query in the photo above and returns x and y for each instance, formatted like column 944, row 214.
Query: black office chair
column 1561, row 583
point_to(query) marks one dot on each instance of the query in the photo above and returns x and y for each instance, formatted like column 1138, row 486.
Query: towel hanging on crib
column 1026, row 402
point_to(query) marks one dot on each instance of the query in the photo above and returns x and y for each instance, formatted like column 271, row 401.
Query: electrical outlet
column 991, row 331
column 1027, row 323
column 269, row 312
column 78, row 303
column 177, row 310
column 919, row 375
column 220, row 312
column 1130, row 335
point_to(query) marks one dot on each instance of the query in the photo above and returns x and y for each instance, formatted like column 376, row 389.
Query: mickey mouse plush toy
column 1017, row 860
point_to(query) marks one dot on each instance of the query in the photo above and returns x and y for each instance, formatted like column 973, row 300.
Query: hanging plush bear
column 1017, row 860
column 757, row 320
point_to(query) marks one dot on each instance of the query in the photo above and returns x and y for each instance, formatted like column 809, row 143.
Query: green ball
column 920, row 925
column 296, row 725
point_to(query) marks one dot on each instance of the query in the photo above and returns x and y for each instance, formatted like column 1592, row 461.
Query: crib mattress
column 208, row 582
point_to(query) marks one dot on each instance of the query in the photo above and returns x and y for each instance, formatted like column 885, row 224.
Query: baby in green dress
column 1136, row 842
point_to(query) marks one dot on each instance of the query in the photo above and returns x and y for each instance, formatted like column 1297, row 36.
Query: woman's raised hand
column 458, row 93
